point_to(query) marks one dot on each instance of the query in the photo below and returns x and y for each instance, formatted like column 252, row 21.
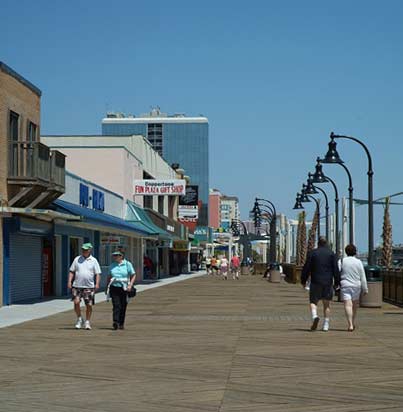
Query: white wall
column 114, row 204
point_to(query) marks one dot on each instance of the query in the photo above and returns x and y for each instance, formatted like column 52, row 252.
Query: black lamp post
column 273, row 227
column 298, row 205
column 311, row 189
column 319, row 177
column 370, row 173
column 236, row 230
column 267, row 215
column 332, row 157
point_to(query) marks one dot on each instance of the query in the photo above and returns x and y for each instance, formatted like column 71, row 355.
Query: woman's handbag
column 133, row 291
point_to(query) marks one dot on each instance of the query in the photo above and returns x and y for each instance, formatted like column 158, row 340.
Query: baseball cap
column 86, row 246
column 117, row 253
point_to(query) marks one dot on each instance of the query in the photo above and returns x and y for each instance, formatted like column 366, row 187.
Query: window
column 161, row 204
column 148, row 202
column 171, row 204
column 32, row 132
column 13, row 126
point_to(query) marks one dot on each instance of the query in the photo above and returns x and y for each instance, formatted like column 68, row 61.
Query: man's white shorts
column 351, row 293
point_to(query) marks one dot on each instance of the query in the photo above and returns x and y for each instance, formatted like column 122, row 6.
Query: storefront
column 156, row 251
column 28, row 254
column 107, row 233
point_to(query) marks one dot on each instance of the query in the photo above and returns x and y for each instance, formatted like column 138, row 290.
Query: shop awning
column 135, row 214
column 103, row 219
column 41, row 214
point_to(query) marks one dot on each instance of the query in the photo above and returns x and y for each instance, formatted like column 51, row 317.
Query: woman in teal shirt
column 120, row 280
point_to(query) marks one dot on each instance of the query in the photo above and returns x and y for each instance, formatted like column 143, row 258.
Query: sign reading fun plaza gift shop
column 168, row 187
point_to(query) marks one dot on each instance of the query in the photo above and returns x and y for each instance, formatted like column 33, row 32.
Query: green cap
column 86, row 246
column 117, row 253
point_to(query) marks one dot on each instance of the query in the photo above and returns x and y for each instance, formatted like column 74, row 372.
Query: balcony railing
column 29, row 160
column 57, row 169
column 36, row 175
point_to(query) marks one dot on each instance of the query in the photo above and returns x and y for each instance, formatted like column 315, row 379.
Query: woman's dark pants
column 119, row 301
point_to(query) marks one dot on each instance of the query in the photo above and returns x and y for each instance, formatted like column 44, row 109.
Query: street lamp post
column 370, row 173
column 319, row 177
column 268, row 217
column 305, row 198
column 235, row 226
column 332, row 157
column 273, row 228
column 311, row 189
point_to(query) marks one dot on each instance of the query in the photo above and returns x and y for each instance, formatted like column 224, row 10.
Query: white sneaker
column 325, row 327
column 87, row 325
column 79, row 323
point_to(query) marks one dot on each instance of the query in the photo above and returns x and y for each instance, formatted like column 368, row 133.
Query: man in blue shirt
column 120, row 280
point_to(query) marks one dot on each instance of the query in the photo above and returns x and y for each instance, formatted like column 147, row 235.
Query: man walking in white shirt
column 84, row 278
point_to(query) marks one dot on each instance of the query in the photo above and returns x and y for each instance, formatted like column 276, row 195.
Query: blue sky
column 274, row 78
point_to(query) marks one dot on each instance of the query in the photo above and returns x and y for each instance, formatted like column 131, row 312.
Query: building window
column 13, row 126
column 32, row 132
column 154, row 136
column 148, row 202
column 171, row 205
column 161, row 204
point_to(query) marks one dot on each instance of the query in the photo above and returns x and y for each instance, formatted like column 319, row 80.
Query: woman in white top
column 224, row 267
column 353, row 283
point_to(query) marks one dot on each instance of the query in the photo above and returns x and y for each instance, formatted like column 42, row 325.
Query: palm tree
column 301, row 239
column 387, row 250
column 313, row 229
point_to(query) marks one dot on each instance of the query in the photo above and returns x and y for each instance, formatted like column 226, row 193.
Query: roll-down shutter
column 25, row 267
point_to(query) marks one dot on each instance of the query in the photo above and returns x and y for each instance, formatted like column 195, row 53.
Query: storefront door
column 47, row 268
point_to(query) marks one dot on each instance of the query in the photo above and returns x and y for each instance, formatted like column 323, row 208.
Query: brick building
column 31, row 177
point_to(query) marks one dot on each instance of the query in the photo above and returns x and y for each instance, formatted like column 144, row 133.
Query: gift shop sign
column 151, row 187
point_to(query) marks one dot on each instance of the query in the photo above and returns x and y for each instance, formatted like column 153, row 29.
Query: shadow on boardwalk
column 206, row 345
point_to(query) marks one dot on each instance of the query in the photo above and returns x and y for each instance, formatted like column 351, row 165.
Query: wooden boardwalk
column 206, row 345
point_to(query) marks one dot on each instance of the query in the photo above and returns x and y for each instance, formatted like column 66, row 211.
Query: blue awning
column 96, row 217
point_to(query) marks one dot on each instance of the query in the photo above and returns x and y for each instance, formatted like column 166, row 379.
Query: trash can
column 275, row 274
column 374, row 280
column 259, row 268
column 244, row 268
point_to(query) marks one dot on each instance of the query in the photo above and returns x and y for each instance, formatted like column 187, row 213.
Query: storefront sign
column 111, row 240
column 170, row 228
column 203, row 233
column 151, row 187
column 84, row 195
column 191, row 212
column 181, row 246
column 191, row 197
column 98, row 200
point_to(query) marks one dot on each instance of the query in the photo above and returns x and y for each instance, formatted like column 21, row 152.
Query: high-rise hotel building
column 179, row 139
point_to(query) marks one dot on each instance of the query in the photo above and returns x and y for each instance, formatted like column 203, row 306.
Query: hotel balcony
column 36, row 174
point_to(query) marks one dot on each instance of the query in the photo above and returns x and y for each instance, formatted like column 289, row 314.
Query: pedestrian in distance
column 214, row 265
column 121, row 279
column 353, row 283
column 235, row 263
column 224, row 267
column 83, row 281
column 322, row 268
column 208, row 265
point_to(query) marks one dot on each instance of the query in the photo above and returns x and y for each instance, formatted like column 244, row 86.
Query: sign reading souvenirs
column 151, row 187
